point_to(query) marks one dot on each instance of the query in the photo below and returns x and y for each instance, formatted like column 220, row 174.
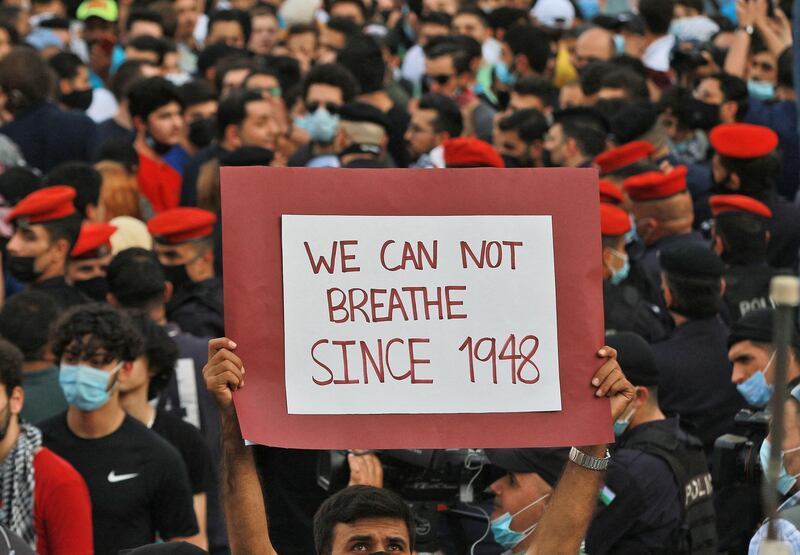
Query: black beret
column 635, row 357
column 691, row 260
column 633, row 121
column 247, row 156
column 365, row 113
column 582, row 113
column 547, row 462
column 756, row 325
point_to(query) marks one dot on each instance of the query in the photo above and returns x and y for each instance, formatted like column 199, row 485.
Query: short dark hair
column 149, row 43
column 694, row 297
column 757, row 175
column 87, row 328
column 127, row 73
column 231, row 63
column 592, row 76
column 438, row 47
column 24, row 78
column 10, row 366
column 136, row 279
column 232, row 14
column 436, row 18
column 448, row 115
column 530, row 124
column 539, row 87
column 334, row 75
column 362, row 56
column 345, row 26
column 143, row 14
column 474, row 11
column 657, row 15
column 82, row 177
column 733, row 89
column 786, row 69
column 65, row 65
column 148, row 95
column 633, row 84
column 287, row 69
column 355, row 503
column 587, row 133
column 531, row 42
column 232, row 109
column 26, row 320
column 197, row 91
column 159, row 349
column 744, row 237
column 67, row 228
column 362, row 8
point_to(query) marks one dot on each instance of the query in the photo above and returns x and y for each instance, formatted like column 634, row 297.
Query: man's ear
column 734, row 182
column 62, row 246
column 728, row 110
column 719, row 246
column 17, row 400
column 139, row 124
column 64, row 86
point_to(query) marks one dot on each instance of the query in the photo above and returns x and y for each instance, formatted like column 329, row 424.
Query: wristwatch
column 749, row 29
column 588, row 461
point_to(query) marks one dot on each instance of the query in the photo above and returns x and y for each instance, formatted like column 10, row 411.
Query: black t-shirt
column 137, row 483
column 192, row 447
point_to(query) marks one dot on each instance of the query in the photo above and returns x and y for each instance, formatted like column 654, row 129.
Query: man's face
column 229, row 32
column 320, row 94
column 233, row 79
column 440, row 74
column 33, row 241
column 304, row 44
column 96, row 28
column 519, row 102
column 421, row 136
column 99, row 359
column 187, row 13
column 514, row 492
column 427, row 31
column 368, row 535
column 471, row 26
column 132, row 53
column 555, row 144
column 447, row 6
column 166, row 124
column 348, row 10
column 508, row 143
column 81, row 80
column 763, row 67
column 140, row 28
column 709, row 91
column 186, row 254
column 204, row 110
column 89, row 268
column 330, row 42
column 259, row 127
column 263, row 35
column 747, row 359
column 592, row 45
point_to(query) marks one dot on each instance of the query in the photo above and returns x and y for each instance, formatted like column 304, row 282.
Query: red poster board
column 253, row 203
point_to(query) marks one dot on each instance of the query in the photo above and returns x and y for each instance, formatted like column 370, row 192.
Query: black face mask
column 94, row 288
column 202, row 131
column 160, row 148
column 177, row 275
column 702, row 115
column 22, row 268
column 547, row 161
column 78, row 100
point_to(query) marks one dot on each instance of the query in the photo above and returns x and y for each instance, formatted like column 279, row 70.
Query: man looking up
column 137, row 481
column 46, row 226
column 185, row 247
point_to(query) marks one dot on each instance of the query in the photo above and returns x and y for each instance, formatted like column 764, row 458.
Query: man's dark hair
column 26, row 320
column 587, row 132
column 214, row 53
column 474, row 11
column 356, row 503
column 232, row 14
column 10, row 366
column 18, row 182
column 657, row 15
column 159, row 349
column 136, row 279
column 345, row 26
column 448, row 115
column 592, row 76
column 149, row 43
column 301, row 29
column 82, row 177
column 148, row 95
column 530, row 124
column 334, row 75
column 694, row 297
column 786, row 69
column 67, row 229
column 231, row 63
column 127, row 73
column 66, row 65
column 757, row 175
column 630, row 82
column 531, row 42
column 691, row 4
column 287, row 68
column 358, row 3
column 86, row 329
column 196, row 91
column 505, row 17
column 13, row 34
column 744, row 237
column 143, row 14
column 362, row 56
column 232, row 109
column 24, row 79
column 442, row 19
column 733, row 89
column 448, row 46
column 120, row 150
column 539, row 87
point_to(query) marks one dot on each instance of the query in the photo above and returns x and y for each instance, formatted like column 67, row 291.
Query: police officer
column 46, row 228
column 619, row 163
column 89, row 260
column 740, row 238
column 745, row 162
column 363, row 137
column 657, row 496
column 693, row 367
column 185, row 247
column 624, row 307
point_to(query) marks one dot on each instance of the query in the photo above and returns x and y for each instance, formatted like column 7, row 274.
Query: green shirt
column 43, row 395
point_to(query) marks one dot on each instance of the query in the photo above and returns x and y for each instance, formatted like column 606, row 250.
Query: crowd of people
column 117, row 430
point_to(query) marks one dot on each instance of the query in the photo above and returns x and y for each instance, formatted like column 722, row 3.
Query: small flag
column 607, row 496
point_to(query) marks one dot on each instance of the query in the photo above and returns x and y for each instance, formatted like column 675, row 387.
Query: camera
column 687, row 56
column 736, row 455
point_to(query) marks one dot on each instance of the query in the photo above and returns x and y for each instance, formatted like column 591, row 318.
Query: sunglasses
column 270, row 91
column 438, row 79
column 332, row 108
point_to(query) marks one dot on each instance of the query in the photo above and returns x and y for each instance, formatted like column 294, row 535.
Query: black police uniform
column 784, row 230
column 657, row 495
column 649, row 260
column 747, row 288
column 198, row 308
column 63, row 294
column 626, row 309
column 695, row 379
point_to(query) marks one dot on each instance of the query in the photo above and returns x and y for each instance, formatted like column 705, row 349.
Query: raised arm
column 566, row 519
column 243, row 502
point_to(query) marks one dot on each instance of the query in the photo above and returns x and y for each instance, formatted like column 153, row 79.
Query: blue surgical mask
column 503, row 74
column 761, row 90
column 622, row 424
column 619, row 44
column 501, row 527
column 755, row 389
column 321, row 125
column 85, row 387
column 785, row 480
column 621, row 274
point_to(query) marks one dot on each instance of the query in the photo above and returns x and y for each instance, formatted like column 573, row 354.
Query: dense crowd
column 117, row 429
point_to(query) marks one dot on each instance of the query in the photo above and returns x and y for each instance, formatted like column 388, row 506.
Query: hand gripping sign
column 415, row 308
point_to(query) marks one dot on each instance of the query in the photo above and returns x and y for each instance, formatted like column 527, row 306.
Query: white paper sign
column 405, row 315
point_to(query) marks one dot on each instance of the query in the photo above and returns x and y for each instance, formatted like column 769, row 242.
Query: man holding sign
column 372, row 520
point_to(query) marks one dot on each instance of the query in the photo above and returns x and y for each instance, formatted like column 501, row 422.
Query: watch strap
column 588, row 461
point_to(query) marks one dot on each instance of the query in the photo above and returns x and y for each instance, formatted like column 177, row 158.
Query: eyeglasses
column 332, row 108
column 438, row 79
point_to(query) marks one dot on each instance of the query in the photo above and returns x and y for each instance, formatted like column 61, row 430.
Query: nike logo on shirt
column 114, row 477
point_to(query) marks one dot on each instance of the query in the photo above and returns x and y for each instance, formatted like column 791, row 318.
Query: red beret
column 45, row 205
column 625, row 155
column 610, row 192
column 178, row 225
column 738, row 203
column 656, row 185
column 471, row 152
column 613, row 220
column 743, row 140
column 94, row 241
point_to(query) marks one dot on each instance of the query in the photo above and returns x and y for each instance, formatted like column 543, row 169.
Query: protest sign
column 405, row 308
